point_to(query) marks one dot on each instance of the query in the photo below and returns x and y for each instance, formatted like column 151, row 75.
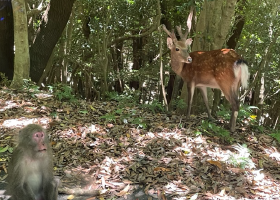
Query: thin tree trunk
column 239, row 23
column 161, row 72
column 175, row 93
column 22, row 60
column 117, row 52
column 67, row 48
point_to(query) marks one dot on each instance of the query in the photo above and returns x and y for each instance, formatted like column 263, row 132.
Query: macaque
column 30, row 171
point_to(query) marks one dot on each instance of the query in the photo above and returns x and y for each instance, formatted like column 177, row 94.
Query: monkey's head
column 34, row 139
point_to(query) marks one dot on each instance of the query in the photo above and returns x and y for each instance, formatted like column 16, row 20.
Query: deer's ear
column 189, row 41
column 169, row 43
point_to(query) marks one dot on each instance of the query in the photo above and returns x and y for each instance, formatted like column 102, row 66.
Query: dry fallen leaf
column 161, row 169
column 70, row 197
column 216, row 163
column 124, row 191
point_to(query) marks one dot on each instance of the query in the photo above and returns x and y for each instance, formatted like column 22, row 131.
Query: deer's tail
column 241, row 71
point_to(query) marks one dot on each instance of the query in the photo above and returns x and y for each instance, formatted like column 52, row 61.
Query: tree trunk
column 170, row 85
column 52, row 25
column 22, row 61
column 104, row 59
column 66, row 50
column 6, row 39
column 239, row 21
column 137, row 45
column 216, row 102
column 259, row 91
column 177, row 85
column 261, row 98
column 117, row 52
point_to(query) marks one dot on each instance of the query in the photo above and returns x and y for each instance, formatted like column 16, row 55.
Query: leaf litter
column 103, row 152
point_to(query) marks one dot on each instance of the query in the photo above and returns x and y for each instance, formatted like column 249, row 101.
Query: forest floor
column 117, row 150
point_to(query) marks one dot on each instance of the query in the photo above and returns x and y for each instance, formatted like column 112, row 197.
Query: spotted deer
column 223, row 69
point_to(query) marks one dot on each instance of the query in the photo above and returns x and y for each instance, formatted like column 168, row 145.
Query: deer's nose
column 189, row 59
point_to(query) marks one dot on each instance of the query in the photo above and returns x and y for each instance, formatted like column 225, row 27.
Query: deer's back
column 209, row 65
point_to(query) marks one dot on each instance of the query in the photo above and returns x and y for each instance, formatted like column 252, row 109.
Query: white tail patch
column 241, row 71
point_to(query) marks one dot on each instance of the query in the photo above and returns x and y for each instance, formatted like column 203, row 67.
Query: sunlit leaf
column 91, row 107
column 70, row 197
column 4, row 149
column 124, row 191
column 161, row 169
column 253, row 116
column 194, row 197
column 216, row 163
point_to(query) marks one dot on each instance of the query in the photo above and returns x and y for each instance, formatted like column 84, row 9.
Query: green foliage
column 224, row 112
column 260, row 128
column 245, row 113
column 62, row 92
column 54, row 114
column 129, row 98
column 83, row 112
column 31, row 87
column 213, row 129
column 242, row 158
column 139, row 122
column 155, row 106
column 130, row 1
column 276, row 136
column 4, row 80
column 197, row 133
column 109, row 117
column 180, row 104
column 6, row 148
column 129, row 116
column 113, row 96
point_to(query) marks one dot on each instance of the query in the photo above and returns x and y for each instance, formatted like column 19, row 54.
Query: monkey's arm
column 17, row 187
column 50, row 183
column 51, row 190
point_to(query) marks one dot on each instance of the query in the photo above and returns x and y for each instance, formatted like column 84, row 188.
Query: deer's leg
column 234, row 111
column 232, row 97
column 205, row 99
column 191, row 88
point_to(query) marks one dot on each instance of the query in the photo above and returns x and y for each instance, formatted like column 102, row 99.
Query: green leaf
column 2, row 150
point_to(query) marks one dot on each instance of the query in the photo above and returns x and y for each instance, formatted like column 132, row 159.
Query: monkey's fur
column 30, row 171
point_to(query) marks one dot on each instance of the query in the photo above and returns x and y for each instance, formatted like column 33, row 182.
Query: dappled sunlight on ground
column 22, row 122
column 272, row 152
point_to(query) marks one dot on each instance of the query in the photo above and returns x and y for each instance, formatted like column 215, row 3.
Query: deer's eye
column 177, row 49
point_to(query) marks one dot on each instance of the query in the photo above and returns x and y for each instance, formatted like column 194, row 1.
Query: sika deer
column 223, row 69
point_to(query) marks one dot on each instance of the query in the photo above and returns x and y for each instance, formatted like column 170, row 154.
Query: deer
column 221, row 69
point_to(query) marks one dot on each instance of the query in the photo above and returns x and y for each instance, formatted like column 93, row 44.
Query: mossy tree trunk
column 22, row 59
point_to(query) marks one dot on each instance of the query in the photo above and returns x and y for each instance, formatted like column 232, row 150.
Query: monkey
column 30, row 170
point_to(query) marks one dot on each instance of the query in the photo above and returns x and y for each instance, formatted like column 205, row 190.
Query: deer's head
column 179, row 49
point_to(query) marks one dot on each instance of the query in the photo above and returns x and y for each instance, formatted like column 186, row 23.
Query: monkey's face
column 40, row 143
column 33, row 140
